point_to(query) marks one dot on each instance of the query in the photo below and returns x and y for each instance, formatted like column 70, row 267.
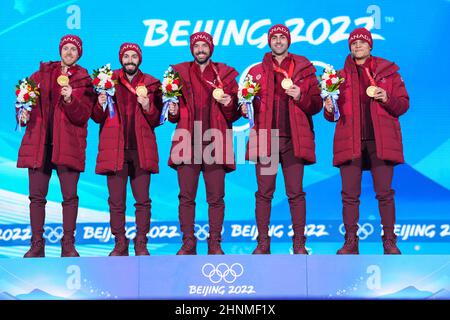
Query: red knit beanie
column 73, row 39
column 202, row 36
column 130, row 46
column 279, row 28
column 360, row 34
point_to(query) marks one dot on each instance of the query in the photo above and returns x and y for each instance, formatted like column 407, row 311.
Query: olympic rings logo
column 53, row 235
column 222, row 272
column 201, row 231
column 364, row 230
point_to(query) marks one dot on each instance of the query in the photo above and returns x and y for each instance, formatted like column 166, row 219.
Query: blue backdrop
column 414, row 35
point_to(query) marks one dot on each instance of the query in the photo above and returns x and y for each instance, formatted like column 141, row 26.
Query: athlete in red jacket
column 284, row 107
column 372, row 98
column 127, row 146
column 55, row 138
column 203, row 140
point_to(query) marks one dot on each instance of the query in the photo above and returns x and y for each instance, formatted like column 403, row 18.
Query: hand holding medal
column 287, row 82
column 218, row 92
column 373, row 91
column 141, row 92
column 66, row 93
column 380, row 95
column 294, row 92
column 225, row 99
column 63, row 80
column 370, row 91
column 66, row 89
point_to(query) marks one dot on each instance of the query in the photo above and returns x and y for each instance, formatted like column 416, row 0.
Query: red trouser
column 382, row 173
column 38, row 188
column 293, row 179
column 140, row 186
column 214, row 176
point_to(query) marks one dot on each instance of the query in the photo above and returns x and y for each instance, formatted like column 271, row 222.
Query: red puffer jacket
column 221, row 117
column 111, row 142
column 69, row 121
column 388, row 136
column 300, row 112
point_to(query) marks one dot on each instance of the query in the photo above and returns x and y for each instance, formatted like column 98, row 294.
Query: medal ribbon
column 69, row 72
column 288, row 74
column 219, row 81
column 63, row 73
column 371, row 79
column 126, row 83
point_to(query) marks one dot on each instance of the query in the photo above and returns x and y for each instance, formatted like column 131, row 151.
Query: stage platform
column 227, row 277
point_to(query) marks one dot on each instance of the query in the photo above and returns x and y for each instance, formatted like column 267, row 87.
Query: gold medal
column 287, row 83
column 370, row 91
column 63, row 80
column 218, row 93
column 141, row 91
